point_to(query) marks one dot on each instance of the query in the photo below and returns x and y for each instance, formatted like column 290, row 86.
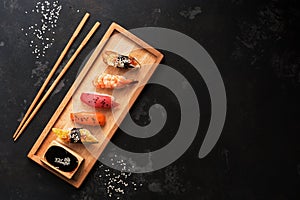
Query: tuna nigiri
column 105, row 80
column 98, row 100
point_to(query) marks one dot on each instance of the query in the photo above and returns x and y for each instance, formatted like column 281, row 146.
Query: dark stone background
column 255, row 45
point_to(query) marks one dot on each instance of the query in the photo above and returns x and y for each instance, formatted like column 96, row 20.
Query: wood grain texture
column 115, row 39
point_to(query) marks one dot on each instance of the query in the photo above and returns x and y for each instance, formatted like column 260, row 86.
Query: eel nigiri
column 98, row 100
column 88, row 118
column 75, row 135
column 105, row 80
column 117, row 60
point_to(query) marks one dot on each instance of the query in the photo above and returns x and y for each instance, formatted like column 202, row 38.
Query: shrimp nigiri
column 120, row 61
column 105, row 80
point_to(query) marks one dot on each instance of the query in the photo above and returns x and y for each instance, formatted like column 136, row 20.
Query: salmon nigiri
column 88, row 118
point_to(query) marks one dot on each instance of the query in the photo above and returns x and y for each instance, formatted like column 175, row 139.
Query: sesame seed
column 49, row 14
column 118, row 183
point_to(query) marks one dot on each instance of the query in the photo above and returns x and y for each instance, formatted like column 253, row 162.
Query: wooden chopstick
column 56, row 65
column 56, row 81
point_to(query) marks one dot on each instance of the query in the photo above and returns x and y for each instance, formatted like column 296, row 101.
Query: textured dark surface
column 255, row 45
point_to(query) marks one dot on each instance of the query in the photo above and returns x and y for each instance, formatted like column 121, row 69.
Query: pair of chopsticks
column 32, row 110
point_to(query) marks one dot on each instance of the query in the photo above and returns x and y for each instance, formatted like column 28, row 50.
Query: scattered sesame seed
column 49, row 14
column 118, row 183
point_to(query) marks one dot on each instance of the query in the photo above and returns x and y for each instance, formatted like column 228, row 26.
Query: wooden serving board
column 115, row 39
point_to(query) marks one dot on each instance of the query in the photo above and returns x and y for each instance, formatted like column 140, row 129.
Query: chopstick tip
column 97, row 24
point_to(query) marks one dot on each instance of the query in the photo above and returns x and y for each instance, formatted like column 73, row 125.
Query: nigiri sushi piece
column 88, row 118
column 105, row 80
column 98, row 100
column 75, row 135
column 114, row 59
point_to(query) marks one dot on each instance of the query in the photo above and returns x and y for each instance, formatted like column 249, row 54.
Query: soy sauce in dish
column 61, row 159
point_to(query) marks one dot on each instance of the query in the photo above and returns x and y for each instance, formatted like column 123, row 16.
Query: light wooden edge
column 62, row 106
column 137, row 40
column 114, row 26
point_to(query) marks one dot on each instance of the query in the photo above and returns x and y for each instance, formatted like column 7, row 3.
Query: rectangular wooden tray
column 115, row 39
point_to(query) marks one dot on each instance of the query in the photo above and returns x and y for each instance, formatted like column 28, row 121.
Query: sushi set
column 99, row 99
